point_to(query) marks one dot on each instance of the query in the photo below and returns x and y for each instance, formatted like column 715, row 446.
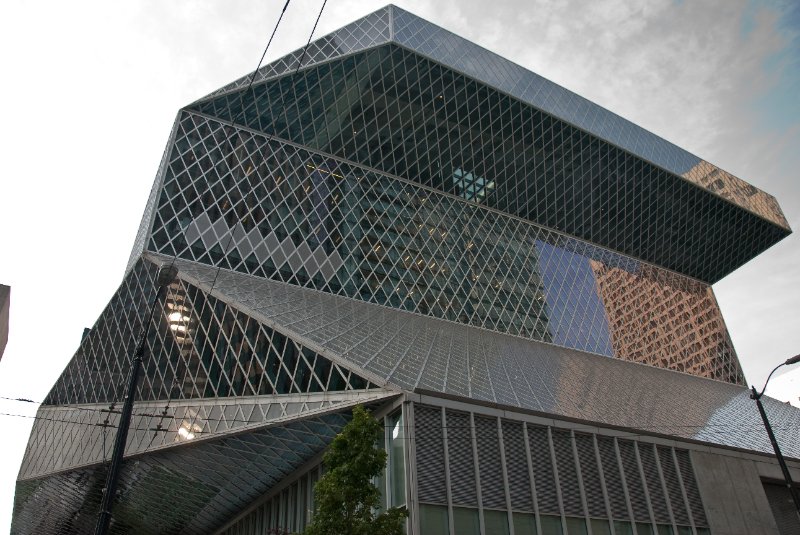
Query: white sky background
column 90, row 90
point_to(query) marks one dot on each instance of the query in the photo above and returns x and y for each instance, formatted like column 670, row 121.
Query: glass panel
column 623, row 528
column 644, row 529
column 466, row 521
column 397, row 467
column 524, row 524
column 600, row 526
column 664, row 529
column 496, row 522
column 391, row 242
column 684, row 530
column 576, row 526
column 551, row 525
column 433, row 520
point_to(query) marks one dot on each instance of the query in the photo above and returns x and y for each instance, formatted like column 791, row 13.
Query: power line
column 706, row 426
column 271, row 135
column 713, row 429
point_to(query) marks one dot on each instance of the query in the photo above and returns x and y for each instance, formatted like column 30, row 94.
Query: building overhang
column 664, row 205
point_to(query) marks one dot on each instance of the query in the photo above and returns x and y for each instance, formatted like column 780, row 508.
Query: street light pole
column 166, row 274
column 756, row 395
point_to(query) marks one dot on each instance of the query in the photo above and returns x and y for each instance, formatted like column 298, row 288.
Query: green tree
column 346, row 498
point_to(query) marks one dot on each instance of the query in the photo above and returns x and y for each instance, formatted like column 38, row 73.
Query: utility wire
column 229, row 134
column 450, row 439
column 225, row 249
column 249, row 86
column 708, row 426
column 232, row 125
column 713, row 429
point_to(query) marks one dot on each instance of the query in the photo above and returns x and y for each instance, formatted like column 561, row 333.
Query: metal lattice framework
column 404, row 214
column 286, row 213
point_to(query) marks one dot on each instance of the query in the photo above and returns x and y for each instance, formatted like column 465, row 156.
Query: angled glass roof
column 423, row 354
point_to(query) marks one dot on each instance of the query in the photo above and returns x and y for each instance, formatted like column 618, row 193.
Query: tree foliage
column 346, row 498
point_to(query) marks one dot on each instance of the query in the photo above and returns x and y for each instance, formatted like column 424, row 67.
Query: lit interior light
column 185, row 433
column 188, row 431
column 175, row 316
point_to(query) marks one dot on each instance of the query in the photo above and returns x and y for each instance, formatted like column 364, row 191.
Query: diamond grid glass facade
column 199, row 348
column 410, row 222
column 277, row 210
column 396, row 111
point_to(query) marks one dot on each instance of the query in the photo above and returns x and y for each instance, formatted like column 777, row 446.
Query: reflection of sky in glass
column 736, row 422
column 576, row 313
column 488, row 67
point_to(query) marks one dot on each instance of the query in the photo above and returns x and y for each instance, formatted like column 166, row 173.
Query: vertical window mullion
column 647, row 497
column 474, row 441
column 664, row 489
column 581, row 488
column 625, row 486
column 603, row 487
column 505, row 476
column 554, row 463
column 530, row 476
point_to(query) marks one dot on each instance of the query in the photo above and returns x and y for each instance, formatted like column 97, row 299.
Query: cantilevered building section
column 515, row 279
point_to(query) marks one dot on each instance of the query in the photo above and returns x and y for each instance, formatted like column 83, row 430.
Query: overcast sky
column 91, row 89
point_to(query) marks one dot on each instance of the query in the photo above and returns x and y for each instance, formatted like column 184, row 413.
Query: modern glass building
column 516, row 280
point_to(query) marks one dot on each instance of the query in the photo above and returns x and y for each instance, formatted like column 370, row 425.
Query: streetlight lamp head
column 794, row 360
column 166, row 274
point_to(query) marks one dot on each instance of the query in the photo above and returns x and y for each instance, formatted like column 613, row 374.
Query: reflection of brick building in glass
column 736, row 190
column 655, row 323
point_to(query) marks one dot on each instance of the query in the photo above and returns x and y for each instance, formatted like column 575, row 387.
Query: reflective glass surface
column 466, row 521
column 396, row 111
column 198, row 347
column 294, row 215
column 397, row 25
column 496, row 522
column 433, row 520
column 414, row 352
